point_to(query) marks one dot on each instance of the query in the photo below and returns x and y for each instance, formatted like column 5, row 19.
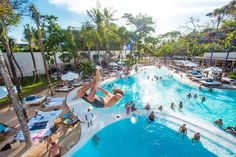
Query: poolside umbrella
column 69, row 76
column 213, row 70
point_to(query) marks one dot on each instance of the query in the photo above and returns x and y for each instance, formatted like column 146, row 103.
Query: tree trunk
column 55, row 59
column 17, row 65
column 43, row 55
column 17, row 106
column 89, row 52
column 35, row 73
column 215, row 37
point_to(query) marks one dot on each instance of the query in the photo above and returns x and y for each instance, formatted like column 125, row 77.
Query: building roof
column 220, row 56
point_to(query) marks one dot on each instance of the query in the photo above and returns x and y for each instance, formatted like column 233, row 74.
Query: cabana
column 213, row 72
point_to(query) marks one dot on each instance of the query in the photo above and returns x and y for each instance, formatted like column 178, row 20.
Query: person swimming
column 218, row 123
column 231, row 130
column 99, row 102
column 181, row 105
column 133, row 107
column 182, row 130
column 160, row 108
column 210, row 90
column 195, row 96
column 172, row 106
column 151, row 116
column 147, row 107
column 196, row 137
column 189, row 95
column 200, row 87
column 203, row 98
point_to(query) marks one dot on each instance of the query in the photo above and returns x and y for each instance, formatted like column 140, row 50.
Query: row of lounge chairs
column 197, row 76
column 68, row 86
column 46, row 103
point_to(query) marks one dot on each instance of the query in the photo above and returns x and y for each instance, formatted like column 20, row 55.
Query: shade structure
column 4, row 92
column 69, row 76
column 213, row 70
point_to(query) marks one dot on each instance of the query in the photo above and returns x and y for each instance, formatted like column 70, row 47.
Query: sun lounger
column 51, row 99
column 52, row 105
column 228, row 80
column 210, row 82
column 64, row 89
column 77, row 83
column 4, row 128
column 34, row 100
column 38, row 124
column 199, row 78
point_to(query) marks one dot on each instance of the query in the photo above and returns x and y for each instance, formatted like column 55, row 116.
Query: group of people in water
column 183, row 130
column 229, row 129
column 160, row 108
column 189, row 95
column 130, row 106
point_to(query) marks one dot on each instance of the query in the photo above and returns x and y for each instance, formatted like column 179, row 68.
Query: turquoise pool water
column 142, row 139
column 139, row 89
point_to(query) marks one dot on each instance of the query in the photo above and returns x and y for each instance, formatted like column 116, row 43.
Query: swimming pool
column 140, row 139
column 139, row 89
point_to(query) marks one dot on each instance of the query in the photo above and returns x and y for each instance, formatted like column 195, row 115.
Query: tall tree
column 218, row 14
column 8, row 18
column 53, row 38
column 16, row 105
column 143, row 26
column 36, row 17
column 102, row 20
column 29, row 37
column 87, row 33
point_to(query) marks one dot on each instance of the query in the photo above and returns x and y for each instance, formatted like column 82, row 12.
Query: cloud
column 167, row 13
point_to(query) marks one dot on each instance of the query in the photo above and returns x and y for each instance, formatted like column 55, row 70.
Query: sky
column 168, row 15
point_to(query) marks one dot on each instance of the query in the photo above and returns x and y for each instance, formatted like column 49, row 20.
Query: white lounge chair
column 64, row 88
column 40, row 125
column 34, row 100
column 53, row 103
column 199, row 78
column 210, row 82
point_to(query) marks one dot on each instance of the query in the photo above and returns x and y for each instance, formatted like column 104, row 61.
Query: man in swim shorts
column 96, row 101
column 182, row 130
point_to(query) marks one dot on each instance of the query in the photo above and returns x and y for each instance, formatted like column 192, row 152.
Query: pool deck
column 171, row 119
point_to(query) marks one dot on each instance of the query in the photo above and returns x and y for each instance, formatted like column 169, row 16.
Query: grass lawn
column 29, row 88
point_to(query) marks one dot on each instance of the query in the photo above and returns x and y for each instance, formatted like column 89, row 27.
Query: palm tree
column 219, row 14
column 102, row 21
column 17, row 105
column 96, row 16
column 87, row 33
column 29, row 37
column 36, row 17
column 9, row 17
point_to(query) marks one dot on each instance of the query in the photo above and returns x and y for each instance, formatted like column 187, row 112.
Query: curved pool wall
column 103, row 117
column 139, row 139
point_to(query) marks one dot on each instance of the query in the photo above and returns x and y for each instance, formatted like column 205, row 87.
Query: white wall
column 25, row 62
